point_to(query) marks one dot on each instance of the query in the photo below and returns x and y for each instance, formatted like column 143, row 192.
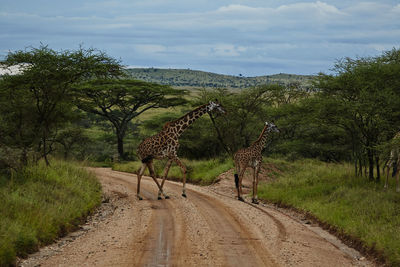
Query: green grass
column 331, row 192
column 202, row 172
column 42, row 203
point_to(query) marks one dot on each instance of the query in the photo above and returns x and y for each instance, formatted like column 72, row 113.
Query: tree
column 37, row 101
column 241, row 125
column 121, row 100
column 71, row 137
column 364, row 100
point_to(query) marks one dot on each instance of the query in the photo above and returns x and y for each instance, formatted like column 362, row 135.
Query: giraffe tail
column 237, row 180
column 394, row 170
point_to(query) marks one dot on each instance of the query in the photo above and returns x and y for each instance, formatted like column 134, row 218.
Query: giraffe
column 251, row 157
column 165, row 144
column 394, row 161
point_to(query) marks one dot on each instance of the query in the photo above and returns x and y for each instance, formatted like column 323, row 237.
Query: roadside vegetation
column 40, row 203
column 333, row 194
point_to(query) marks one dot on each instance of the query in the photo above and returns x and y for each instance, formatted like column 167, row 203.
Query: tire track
column 281, row 228
column 279, row 224
column 159, row 246
column 239, row 246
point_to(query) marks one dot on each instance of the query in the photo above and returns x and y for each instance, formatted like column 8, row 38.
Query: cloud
column 228, row 50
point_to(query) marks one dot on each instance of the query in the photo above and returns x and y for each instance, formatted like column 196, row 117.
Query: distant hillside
column 194, row 78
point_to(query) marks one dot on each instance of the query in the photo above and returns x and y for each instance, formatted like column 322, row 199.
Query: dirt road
column 209, row 228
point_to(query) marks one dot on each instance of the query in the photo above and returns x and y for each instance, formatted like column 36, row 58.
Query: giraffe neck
column 180, row 125
column 259, row 144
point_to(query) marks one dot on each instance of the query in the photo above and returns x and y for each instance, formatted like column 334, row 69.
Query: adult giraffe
column 394, row 161
column 251, row 157
column 165, row 144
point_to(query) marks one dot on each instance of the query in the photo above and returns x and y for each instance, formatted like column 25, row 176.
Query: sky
column 249, row 37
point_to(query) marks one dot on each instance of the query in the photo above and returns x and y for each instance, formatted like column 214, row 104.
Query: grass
column 358, row 208
column 202, row 172
column 42, row 203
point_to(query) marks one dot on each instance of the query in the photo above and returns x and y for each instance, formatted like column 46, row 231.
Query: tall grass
column 40, row 203
column 331, row 192
column 202, row 172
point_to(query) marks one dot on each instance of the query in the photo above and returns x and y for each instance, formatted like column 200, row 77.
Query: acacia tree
column 121, row 100
column 363, row 98
column 37, row 101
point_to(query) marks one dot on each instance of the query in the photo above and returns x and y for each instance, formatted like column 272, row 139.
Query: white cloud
column 310, row 8
column 396, row 9
column 12, row 70
column 240, row 9
column 227, row 50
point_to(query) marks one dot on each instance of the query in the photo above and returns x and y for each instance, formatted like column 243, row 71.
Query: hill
column 199, row 79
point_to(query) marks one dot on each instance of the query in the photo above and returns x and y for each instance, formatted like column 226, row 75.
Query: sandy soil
column 208, row 228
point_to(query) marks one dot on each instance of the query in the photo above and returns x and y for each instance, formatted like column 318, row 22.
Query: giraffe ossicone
column 165, row 144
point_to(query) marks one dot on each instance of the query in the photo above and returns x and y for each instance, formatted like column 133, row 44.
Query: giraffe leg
column 255, row 178
column 240, row 183
column 236, row 175
column 183, row 168
column 254, row 184
column 255, row 192
column 139, row 176
column 153, row 175
column 166, row 170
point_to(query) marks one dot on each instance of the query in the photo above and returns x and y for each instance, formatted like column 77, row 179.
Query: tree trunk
column 221, row 140
column 66, row 152
column 355, row 168
column 378, row 171
column 120, row 143
column 370, row 164
column 45, row 149
column 24, row 157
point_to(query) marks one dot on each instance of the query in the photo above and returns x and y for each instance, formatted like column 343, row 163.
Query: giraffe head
column 271, row 127
column 215, row 105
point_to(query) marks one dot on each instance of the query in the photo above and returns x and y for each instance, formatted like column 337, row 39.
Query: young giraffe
column 165, row 144
column 251, row 157
column 394, row 161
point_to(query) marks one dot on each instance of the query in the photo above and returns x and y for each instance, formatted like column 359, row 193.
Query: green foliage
column 202, row 172
column 72, row 140
column 247, row 112
column 38, row 101
column 336, row 196
column 41, row 203
column 121, row 100
column 364, row 100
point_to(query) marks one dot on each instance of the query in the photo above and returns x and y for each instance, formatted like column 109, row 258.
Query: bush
column 41, row 203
